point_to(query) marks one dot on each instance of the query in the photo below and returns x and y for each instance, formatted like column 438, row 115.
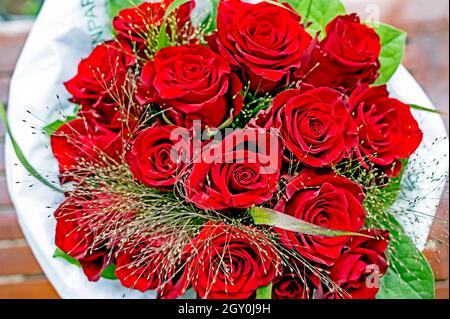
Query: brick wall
column 20, row 274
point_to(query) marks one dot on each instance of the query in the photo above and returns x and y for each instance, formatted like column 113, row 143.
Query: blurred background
column 10, row 8
column 427, row 58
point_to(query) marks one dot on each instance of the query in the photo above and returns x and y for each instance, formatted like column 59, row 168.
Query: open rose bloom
column 249, row 151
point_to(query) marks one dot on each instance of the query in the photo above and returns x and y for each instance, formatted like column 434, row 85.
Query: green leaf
column 269, row 217
column 264, row 292
column 409, row 275
column 422, row 108
column 21, row 156
column 163, row 38
column 211, row 21
column 51, row 128
column 294, row 3
column 108, row 272
column 115, row 6
column 319, row 13
column 393, row 44
column 60, row 254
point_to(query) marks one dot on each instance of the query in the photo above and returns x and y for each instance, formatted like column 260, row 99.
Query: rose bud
column 99, row 84
column 138, row 23
column 75, row 237
column 84, row 142
column 241, row 171
column 159, row 155
column 386, row 128
column 358, row 271
column 347, row 56
column 326, row 200
column 230, row 263
column 296, row 284
column 191, row 82
column 315, row 125
column 144, row 266
column 264, row 41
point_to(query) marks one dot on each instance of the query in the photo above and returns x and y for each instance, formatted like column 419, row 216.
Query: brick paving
column 20, row 274
column 426, row 57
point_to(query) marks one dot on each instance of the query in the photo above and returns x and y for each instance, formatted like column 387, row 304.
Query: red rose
column 81, row 142
column 159, row 155
column 387, row 130
column 347, row 56
column 104, row 213
column 76, row 238
column 295, row 285
column 314, row 124
column 138, row 24
column 144, row 267
column 192, row 83
column 358, row 271
column 239, row 172
column 328, row 201
column 123, row 120
column 273, row 116
column 265, row 41
column 99, row 84
column 229, row 263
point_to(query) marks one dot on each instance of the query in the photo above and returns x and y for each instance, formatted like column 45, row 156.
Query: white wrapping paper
column 62, row 35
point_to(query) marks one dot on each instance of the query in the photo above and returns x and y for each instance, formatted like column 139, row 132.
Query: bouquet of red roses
column 250, row 150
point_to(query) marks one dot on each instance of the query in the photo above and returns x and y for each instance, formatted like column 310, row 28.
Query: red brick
column 31, row 288
column 442, row 290
column 5, row 200
column 18, row 261
column 4, row 88
column 9, row 227
column 437, row 255
column 10, row 48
